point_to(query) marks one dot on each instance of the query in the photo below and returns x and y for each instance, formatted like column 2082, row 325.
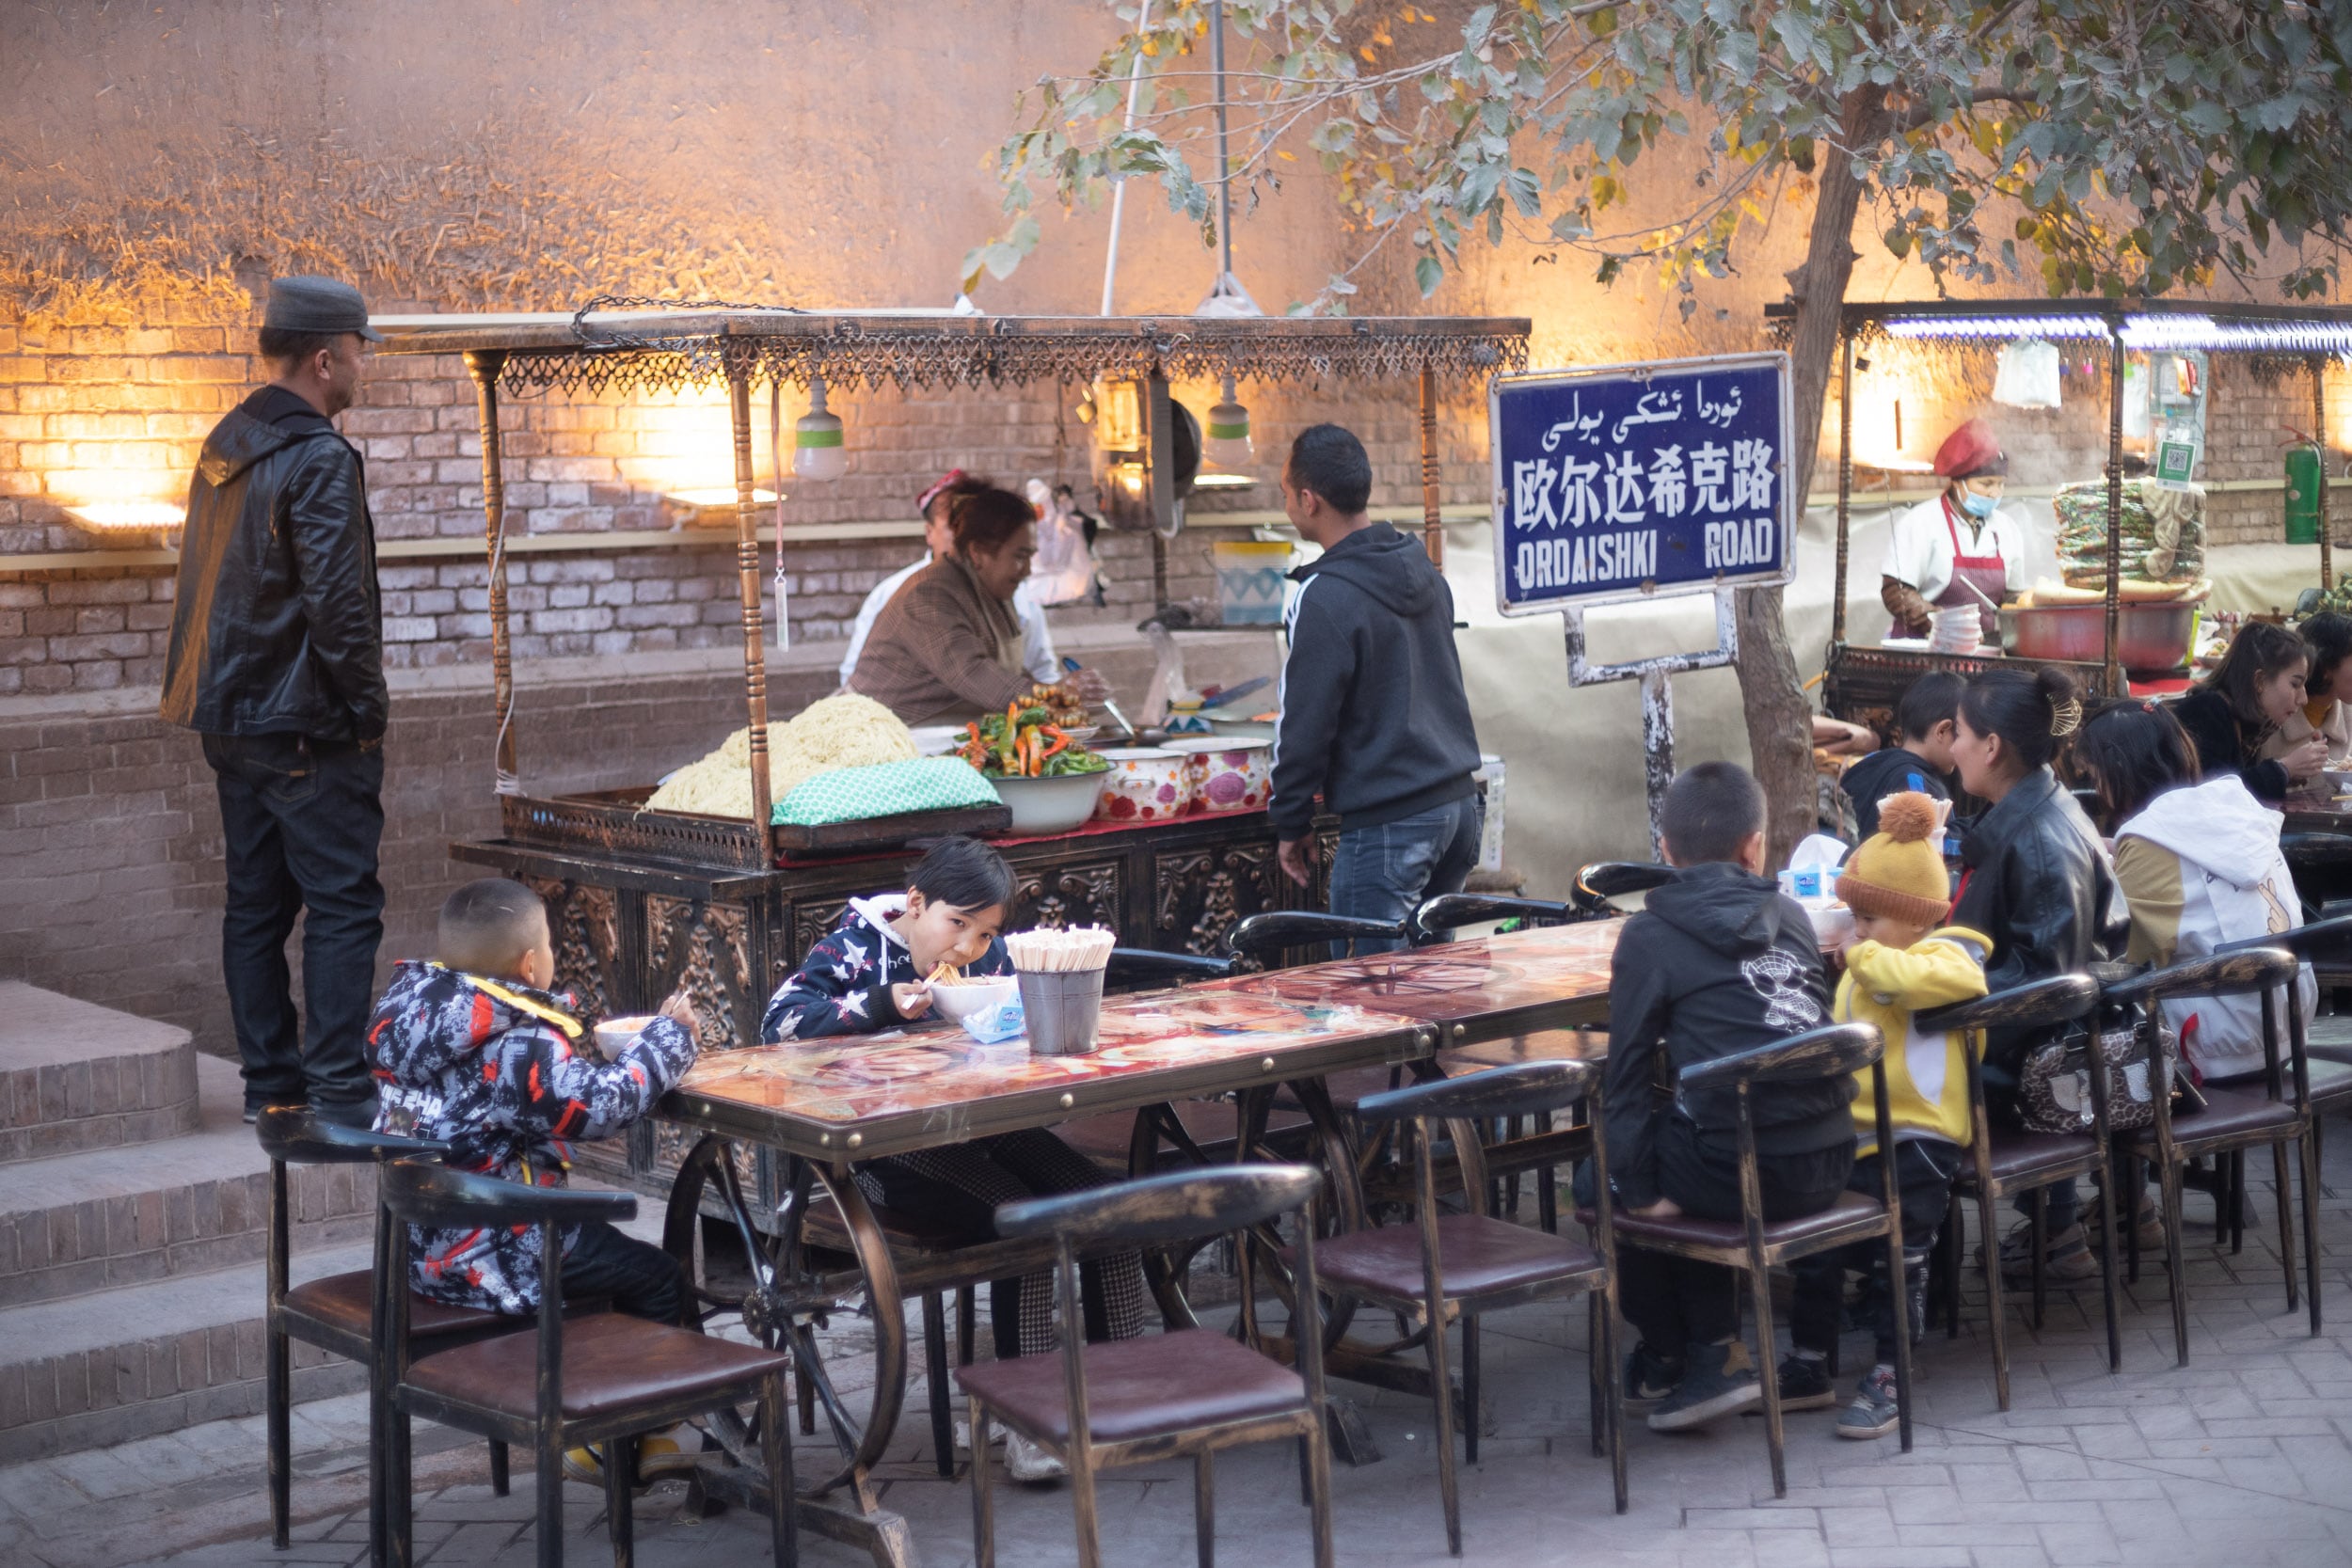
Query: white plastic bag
column 2027, row 377
column 1064, row 568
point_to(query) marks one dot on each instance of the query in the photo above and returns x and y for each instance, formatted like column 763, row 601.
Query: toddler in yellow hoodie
column 1902, row 961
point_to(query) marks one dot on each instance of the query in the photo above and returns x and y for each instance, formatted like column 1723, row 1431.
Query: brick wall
column 109, row 412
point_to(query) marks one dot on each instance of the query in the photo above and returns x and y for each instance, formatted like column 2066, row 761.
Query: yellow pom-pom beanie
column 1899, row 871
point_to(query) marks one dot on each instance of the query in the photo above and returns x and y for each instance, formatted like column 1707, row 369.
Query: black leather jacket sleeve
column 327, row 524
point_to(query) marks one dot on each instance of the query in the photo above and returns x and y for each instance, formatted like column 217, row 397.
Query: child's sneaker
column 2068, row 1262
column 1649, row 1378
column 1873, row 1412
column 1721, row 1381
column 1025, row 1461
column 1804, row 1383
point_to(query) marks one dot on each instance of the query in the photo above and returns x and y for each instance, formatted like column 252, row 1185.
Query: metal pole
column 2115, row 502
column 1845, row 484
column 1224, row 163
column 747, row 569
column 1657, row 750
column 1118, row 185
column 484, row 366
column 1432, row 521
column 2319, row 434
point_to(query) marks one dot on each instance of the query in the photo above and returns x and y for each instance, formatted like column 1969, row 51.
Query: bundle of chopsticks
column 1086, row 947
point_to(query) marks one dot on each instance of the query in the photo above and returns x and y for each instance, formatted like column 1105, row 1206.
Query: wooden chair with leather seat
column 1131, row 968
column 597, row 1381
column 2003, row 1163
column 1600, row 884
column 1163, row 1395
column 336, row 1313
column 1270, row 933
column 1435, row 919
column 1447, row 1268
column 1756, row 1246
column 2233, row 1119
column 2327, row 946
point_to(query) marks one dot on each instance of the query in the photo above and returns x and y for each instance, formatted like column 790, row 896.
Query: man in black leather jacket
column 277, row 660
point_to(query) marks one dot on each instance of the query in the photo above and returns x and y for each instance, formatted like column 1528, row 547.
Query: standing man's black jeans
column 302, row 819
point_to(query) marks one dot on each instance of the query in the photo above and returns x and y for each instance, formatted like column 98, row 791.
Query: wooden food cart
column 1863, row 682
column 645, row 901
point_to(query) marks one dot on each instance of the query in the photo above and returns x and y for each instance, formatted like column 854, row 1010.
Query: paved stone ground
column 2242, row 1458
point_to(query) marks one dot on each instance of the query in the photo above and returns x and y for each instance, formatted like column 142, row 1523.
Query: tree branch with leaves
column 2108, row 147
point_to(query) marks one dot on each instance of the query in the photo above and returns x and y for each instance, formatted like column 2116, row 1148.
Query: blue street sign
column 1631, row 482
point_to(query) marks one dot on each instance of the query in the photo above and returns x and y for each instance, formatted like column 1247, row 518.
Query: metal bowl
column 2150, row 639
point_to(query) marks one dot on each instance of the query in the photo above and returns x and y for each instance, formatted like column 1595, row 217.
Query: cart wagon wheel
column 1159, row 1143
column 1341, row 1209
column 790, row 1291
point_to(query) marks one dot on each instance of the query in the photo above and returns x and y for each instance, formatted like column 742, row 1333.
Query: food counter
column 630, row 928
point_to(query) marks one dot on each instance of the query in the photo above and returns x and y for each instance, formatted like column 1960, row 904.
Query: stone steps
column 76, row 1076
column 106, row 1217
column 130, row 1362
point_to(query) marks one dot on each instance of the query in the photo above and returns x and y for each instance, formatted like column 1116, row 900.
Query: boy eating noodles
column 1716, row 963
column 473, row 1048
column 1902, row 960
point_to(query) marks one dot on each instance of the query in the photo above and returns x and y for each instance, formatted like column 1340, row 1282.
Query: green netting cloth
column 884, row 790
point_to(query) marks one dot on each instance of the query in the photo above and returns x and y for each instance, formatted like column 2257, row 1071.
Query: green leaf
column 1428, row 273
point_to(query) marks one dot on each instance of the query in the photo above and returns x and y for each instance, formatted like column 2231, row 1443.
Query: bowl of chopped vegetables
column 1039, row 768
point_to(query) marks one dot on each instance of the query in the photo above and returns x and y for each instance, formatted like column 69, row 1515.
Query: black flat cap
column 317, row 305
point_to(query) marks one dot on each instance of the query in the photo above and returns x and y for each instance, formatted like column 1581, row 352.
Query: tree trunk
column 1779, row 714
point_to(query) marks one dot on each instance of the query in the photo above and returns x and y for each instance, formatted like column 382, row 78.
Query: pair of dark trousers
column 1385, row 873
column 637, row 1277
column 1924, row 1168
column 301, row 820
column 1676, row 1302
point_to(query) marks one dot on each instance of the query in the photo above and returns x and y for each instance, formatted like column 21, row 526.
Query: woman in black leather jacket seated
column 2036, row 880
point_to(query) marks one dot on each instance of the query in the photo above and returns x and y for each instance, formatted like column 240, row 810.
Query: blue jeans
column 1385, row 873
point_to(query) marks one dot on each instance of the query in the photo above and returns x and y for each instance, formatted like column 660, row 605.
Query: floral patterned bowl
column 1146, row 784
column 1228, row 772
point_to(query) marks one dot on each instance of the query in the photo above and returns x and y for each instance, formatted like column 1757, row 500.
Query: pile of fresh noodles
column 845, row 731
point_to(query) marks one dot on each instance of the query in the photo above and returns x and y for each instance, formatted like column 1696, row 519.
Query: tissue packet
column 998, row 1023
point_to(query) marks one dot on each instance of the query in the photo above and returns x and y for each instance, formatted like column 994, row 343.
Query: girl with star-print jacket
column 843, row 986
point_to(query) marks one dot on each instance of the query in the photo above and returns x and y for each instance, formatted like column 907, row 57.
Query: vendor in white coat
column 1037, row 645
column 1944, row 549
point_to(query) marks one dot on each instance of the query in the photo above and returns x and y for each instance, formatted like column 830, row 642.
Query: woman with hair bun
column 2234, row 717
column 2035, row 880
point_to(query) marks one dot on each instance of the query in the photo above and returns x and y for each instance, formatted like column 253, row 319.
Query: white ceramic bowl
column 1050, row 805
column 1227, row 773
column 614, row 1035
column 1146, row 784
column 955, row 1002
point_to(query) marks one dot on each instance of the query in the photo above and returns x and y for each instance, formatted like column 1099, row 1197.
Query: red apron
column 1988, row 573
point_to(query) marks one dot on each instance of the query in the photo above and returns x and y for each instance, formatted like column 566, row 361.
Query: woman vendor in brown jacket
column 948, row 645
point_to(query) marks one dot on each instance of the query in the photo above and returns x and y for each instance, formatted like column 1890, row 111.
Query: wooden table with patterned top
column 824, row 1104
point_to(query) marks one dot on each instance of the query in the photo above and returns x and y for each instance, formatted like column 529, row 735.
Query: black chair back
column 1272, row 930
column 2035, row 1004
column 1602, row 881
column 1824, row 1052
column 1146, row 966
column 1523, row 1089
column 1152, row 1210
column 434, row 1196
column 2315, row 940
column 2321, row 865
column 297, row 1136
column 1442, row 914
column 2235, row 972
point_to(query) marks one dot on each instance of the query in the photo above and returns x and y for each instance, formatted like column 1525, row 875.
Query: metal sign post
column 1658, row 696
column 1633, row 483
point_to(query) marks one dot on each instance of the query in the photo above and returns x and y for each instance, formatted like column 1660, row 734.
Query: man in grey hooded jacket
column 1375, row 717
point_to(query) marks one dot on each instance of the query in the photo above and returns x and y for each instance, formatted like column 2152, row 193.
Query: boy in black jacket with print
column 1717, row 962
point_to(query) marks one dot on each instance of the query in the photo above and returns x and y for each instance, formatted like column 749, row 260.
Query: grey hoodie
column 1375, row 719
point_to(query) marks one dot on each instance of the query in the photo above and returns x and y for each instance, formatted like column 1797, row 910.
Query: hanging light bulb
column 817, row 450
column 1227, row 442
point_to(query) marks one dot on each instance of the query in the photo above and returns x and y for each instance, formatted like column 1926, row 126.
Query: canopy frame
column 631, row 345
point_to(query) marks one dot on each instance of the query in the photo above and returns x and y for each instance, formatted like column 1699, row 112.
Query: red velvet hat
column 1970, row 451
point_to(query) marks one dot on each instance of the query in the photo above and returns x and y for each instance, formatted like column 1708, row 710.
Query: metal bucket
column 1064, row 1010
